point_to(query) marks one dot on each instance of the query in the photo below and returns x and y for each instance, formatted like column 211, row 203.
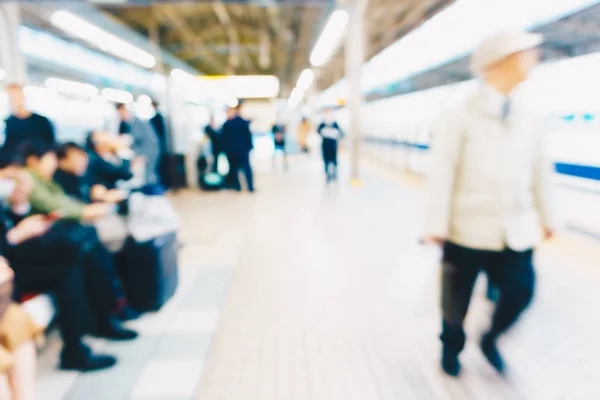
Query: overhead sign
column 240, row 86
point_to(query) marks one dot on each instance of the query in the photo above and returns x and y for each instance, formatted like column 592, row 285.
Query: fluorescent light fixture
column 72, row 87
column 295, row 97
column 180, row 74
column 117, row 96
column 330, row 38
column 240, row 86
column 2, row 74
column 306, row 78
column 31, row 90
column 80, row 28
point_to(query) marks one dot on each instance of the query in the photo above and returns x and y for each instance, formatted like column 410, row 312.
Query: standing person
column 278, row 132
column 303, row 132
column 330, row 132
column 23, row 125
column 160, row 128
column 145, row 143
column 215, row 143
column 237, row 140
column 491, row 199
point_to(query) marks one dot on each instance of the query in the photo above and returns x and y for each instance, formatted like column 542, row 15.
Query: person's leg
column 21, row 376
column 234, row 169
column 512, row 273
column 460, row 269
column 103, row 285
column 334, row 161
column 247, row 167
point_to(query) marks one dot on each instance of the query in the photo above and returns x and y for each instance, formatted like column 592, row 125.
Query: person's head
column 155, row 104
column 507, row 59
column 16, row 98
column 100, row 142
column 72, row 159
column 123, row 111
column 16, row 184
column 41, row 158
column 232, row 112
column 327, row 114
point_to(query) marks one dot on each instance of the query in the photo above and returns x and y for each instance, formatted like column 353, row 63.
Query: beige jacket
column 491, row 181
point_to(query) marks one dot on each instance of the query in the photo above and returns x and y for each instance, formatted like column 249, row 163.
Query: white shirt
column 490, row 186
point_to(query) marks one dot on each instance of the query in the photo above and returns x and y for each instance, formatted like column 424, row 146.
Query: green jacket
column 48, row 196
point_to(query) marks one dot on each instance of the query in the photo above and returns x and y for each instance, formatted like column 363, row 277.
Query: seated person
column 48, row 197
column 18, row 332
column 67, row 259
column 71, row 175
column 110, row 160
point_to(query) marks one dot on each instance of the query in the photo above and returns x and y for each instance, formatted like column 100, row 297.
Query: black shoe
column 128, row 313
column 491, row 353
column 113, row 330
column 82, row 359
column 450, row 363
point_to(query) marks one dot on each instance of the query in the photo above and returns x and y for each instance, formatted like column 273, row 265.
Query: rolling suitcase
column 150, row 272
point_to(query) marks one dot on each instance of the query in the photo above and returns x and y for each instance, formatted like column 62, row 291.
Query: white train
column 566, row 94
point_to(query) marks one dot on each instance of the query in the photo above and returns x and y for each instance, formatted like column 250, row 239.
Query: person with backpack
column 491, row 198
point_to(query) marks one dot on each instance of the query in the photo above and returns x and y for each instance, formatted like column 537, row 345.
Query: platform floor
column 308, row 292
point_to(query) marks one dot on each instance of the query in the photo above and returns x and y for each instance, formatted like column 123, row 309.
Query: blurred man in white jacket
column 490, row 194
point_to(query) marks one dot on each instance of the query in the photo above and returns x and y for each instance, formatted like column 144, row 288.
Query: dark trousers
column 330, row 157
column 511, row 272
column 239, row 162
column 79, row 271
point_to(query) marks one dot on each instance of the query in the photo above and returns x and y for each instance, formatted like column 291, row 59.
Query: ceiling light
column 2, row 74
column 117, row 96
column 180, row 74
column 80, row 28
column 330, row 38
column 71, row 87
column 306, row 78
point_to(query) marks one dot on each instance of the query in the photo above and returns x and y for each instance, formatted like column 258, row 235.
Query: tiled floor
column 308, row 292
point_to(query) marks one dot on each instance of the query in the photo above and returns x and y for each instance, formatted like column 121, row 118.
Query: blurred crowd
column 65, row 230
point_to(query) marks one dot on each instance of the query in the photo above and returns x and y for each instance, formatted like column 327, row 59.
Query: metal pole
column 354, row 51
column 11, row 58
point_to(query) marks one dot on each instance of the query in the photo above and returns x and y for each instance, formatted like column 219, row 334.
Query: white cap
column 501, row 46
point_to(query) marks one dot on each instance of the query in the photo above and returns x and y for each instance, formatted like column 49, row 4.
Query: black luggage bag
column 150, row 272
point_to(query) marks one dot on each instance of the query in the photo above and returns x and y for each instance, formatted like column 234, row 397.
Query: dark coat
column 236, row 136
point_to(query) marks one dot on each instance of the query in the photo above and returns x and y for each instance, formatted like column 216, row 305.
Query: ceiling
column 250, row 38
column 218, row 38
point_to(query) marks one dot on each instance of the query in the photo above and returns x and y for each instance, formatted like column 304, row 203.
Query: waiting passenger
column 303, row 134
column 71, row 175
column 160, row 128
column 48, row 197
column 110, row 161
column 237, row 141
column 23, row 125
column 491, row 199
column 145, row 143
column 331, row 133
column 67, row 259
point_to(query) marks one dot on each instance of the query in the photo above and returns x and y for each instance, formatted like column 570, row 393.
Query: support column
column 11, row 58
column 354, row 51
